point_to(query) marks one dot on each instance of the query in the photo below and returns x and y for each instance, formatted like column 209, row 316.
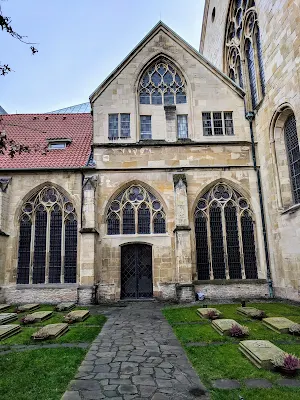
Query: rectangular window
column 146, row 127
column 56, row 145
column 118, row 126
column 125, row 126
column 217, row 123
column 182, row 127
column 113, row 126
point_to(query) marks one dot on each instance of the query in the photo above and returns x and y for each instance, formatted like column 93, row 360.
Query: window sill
column 291, row 210
column 136, row 235
column 41, row 286
column 230, row 282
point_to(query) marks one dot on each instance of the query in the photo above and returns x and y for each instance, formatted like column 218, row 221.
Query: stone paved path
column 136, row 356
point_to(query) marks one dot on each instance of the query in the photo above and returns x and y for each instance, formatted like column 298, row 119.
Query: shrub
column 213, row 314
column 28, row 319
column 286, row 361
column 238, row 331
column 295, row 329
column 259, row 314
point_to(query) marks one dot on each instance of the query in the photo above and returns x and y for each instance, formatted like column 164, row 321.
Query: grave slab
column 278, row 324
column 260, row 352
column 8, row 330
column 223, row 326
column 204, row 311
column 7, row 317
column 4, row 307
column 78, row 315
column 247, row 311
column 226, row 384
column 258, row 383
column 28, row 307
column 40, row 316
column 65, row 306
column 51, row 331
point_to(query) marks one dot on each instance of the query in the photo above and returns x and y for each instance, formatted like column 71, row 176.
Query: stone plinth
column 7, row 317
column 40, row 316
column 260, row 352
column 223, row 326
column 51, row 331
column 4, row 307
column 65, row 306
column 204, row 311
column 28, row 307
column 248, row 311
column 278, row 324
column 8, row 330
column 78, row 315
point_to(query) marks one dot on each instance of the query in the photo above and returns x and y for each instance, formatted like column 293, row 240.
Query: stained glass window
column 292, row 146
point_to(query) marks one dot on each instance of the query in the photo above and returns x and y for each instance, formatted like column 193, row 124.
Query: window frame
column 150, row 124
column 186, row 124
column 119, row 130
column 212, row 127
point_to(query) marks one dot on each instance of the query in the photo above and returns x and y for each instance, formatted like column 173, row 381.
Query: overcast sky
column 80, row 42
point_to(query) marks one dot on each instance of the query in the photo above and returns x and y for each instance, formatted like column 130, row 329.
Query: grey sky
column 80, row 42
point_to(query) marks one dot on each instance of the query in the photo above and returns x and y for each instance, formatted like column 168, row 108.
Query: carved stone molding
column 4, row 182
column 90, row 182
column 179, row 177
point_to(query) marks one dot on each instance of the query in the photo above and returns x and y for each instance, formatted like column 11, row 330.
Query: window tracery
column 162, row 84
column 48, row 239
column 224, row 232
column 135, row 211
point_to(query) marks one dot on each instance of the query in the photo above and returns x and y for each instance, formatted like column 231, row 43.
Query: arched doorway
column 136, row 271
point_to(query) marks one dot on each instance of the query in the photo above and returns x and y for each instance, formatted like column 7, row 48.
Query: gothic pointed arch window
column 135, row 211
column 162, row 83
column 47, row 239
column 243, row 51
column 225, row 235
column 293, row 153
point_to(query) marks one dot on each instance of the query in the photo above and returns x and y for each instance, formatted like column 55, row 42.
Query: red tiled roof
column 34, row 130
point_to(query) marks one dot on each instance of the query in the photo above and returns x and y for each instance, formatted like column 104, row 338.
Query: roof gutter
column 48, row 169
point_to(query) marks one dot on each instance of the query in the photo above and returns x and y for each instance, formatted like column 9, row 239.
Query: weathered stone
column 127, row 389
column 258, row 383
column 7, row 317
column 4, row 307
column 40, row 316
column 226, row 384
column 248, row 311
column 223, row 326
column 289, row 382
column 51, row 331
column 65, row 306
column 260, row 352
column 278, row 324
column 8, row 330
column 78, row 315
column 204, row 311
column 28, row 307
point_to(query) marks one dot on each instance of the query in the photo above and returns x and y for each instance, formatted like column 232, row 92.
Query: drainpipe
column 250, row 117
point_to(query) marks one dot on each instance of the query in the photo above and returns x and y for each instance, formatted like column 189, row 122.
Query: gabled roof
column 34, row 130
column 160, row 26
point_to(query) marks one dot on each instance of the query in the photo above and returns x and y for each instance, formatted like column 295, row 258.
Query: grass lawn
column 223, row 359
column 43, row 374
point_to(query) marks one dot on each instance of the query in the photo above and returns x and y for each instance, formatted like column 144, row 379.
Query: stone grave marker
column 51, row 331
column 223, row 326
column 40, row 316
column 78, row 315
column 204, row 311
column 248, row 311
column 7, row 317
column 28, row 307
column 4, row 307
column 278, row 324
column 260, row 352
column 8, row 330
column 65, row 306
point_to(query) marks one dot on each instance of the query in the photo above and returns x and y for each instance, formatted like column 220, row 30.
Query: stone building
column 165, row 201
column 257, row 44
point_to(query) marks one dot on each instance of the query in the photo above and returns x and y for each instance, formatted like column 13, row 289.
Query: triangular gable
column 160, row 26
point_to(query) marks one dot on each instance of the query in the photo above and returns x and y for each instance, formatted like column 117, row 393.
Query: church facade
column 155, row 194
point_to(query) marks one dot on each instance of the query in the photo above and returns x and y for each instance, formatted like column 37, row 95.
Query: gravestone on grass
column 223, row 326
column 65, row 306
column 28, row 307
column 278, row 324
column 78, row 315
column 248, row 311
column 7, row 317
column 40, row 316
column 8, row 330
column 260, row 352
column 204, row 311
column 51, row 331
column 4, row 307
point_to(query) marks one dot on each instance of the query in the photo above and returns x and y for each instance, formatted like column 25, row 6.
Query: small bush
column 28, row 319
column 259, row 314
column 295, row 329
column 286, row 361
column 238, row 331
column 213, row 314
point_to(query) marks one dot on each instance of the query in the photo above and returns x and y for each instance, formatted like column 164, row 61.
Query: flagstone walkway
column 136, row 356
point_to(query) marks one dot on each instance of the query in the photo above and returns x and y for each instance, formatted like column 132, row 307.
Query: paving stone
column 92, row 395
column 258, row 383
column 127, row 389
column 101, row 368
column 288, row 382
column 147, row 391
column 226, row 384
column 85, row 385
column 160, row 396
column 72, row 395
column 144, row 380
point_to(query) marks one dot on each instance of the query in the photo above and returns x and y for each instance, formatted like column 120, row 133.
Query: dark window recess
column 159, row 223
column 218, row 123
column 293, row 150
column 55, row 245
column 113, row 224
column 233, row 245
column 113, row 126
column 144, row 219
column 251, row 72
column 260, row 62
column 24, row 250
column 146, row 127
column 39, row 257
column 125, row 126
column 248, row 246
column 217, row 245
column 228, row 123
column 70, row 250
column 207, row 127
column 240, row 72
column 128, row 220
column 202, row 246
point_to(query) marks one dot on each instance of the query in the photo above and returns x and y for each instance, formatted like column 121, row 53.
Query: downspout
column 250, row 117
